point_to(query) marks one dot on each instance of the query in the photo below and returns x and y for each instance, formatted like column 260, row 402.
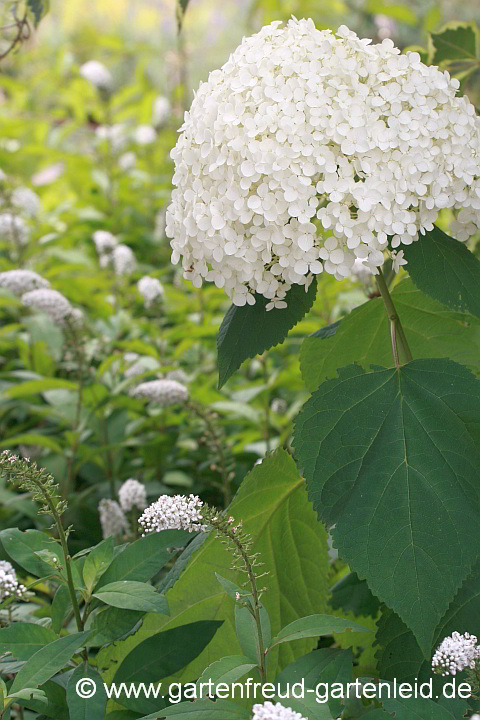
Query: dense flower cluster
column 97, row 74
column 104, row 241
column 22, row 281
column 176, row 512
column 27, row 201
column 132, row 494
column 269, row 711
column 123, row 260
column 112, row 518
column 163, row 392
column 144, row 135
column 14, row 229
column 9, row 585
column 455, row 653
column 304, row 128
column 178, row 375
column 52, row 303
column 151, row 289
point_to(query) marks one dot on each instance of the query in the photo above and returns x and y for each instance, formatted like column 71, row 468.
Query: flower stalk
column 400, row 348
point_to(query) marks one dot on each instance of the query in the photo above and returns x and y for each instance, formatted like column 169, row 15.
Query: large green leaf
column 250, row 330
column 445, row 269
column 203, row 710
column 162, row 655
column 273, row 504
column 454, row 41
column 417, row 709
column 48, row 660
column 21, row 546
column 314, row 626
column 372, row 441
column 97, row 562
column 85, row 707
column 23, row 639
column 432, row 331
column 131, row 595
column 144, row 558
column 351, row 594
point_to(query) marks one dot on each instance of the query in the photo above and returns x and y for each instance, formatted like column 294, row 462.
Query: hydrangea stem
column 399, row 339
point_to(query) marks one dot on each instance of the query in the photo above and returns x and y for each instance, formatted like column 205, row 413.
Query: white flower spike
column 176, row 512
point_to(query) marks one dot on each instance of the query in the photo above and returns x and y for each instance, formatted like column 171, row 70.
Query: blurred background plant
column 91, row 97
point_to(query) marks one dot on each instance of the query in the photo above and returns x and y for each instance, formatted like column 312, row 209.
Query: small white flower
column 123, row 258
column 26, row 201
column 144, row 135
column 303, row 125
column 14, row 229
column 127, row 161
column 9, row 585
column 112, row 518
column 269, row 711
column 22, row 281
column 161, row 110
column 132, row 494
column 176, row 512
column 151, row 289
column 455, row 653
column 104, row 241
column 162, row 392
column 50, row 302
column 97, row 74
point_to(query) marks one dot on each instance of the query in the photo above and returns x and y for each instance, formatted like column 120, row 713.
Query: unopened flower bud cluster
column 456, row 653
column 309, row 150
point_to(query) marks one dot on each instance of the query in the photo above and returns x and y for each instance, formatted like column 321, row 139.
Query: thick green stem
column 399, row 340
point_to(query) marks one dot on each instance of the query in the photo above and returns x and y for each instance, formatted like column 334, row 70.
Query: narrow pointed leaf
column 131, row 595
column 314, row 626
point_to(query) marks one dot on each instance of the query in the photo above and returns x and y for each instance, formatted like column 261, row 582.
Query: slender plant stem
column 216, row 441
column 76, row 423
column 267, row 404
column 399, row 339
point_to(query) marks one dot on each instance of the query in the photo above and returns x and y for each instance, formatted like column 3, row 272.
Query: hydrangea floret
column 19, row 282
column 163, row 392
column 132, row 494
column 112, row 518
column 309, row 150
column 456, row 653
column 270, row 711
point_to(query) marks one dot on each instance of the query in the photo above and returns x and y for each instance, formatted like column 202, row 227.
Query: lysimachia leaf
column 454, row 41
column 97, row 562
column 314, row 626
column 162, row 655
column 131, row 595
column 417, row 709
column 432, row 331
column 23, row 639
column 203, row 710
column 112, row 623
column 445, row 269
column 273, row 505
column 227, row 670
column 22, row 546
column 85, row 707
column 351, row 594
column 370, row 441
column 247, row 633
column 250, row 330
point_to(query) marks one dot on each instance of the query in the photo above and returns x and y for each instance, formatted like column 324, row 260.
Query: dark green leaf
column 97, row 562
column 131, row 595
column 89, row 681
column 203, row 710
column 250, row 330
column 163, row 655
column 111, row 624
column 454, row 41
column 351, row 594
column 417, row 709
column 432, row 331
column 370, row 441
column 227, row 670
column 314, row 626
column 24, row 639
column 21, row 546
column 38, row 8
column 445, row 269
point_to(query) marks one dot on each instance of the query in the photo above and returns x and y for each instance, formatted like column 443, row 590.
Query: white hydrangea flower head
column 162, row 392
column 104, row 241
column 177, row 512
column 97, row 74
column 162, row 110
column 9, row 585
column 269, row 711
column 14, row 229
column 303, row 127
column 50, row 302
column 151, row 289
column 112, row 518
column 144, row 135
column 455, row 653
column 123, row 259
column 132, row 494
column 22, row 281
column 27, row 201
column 127, row 161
